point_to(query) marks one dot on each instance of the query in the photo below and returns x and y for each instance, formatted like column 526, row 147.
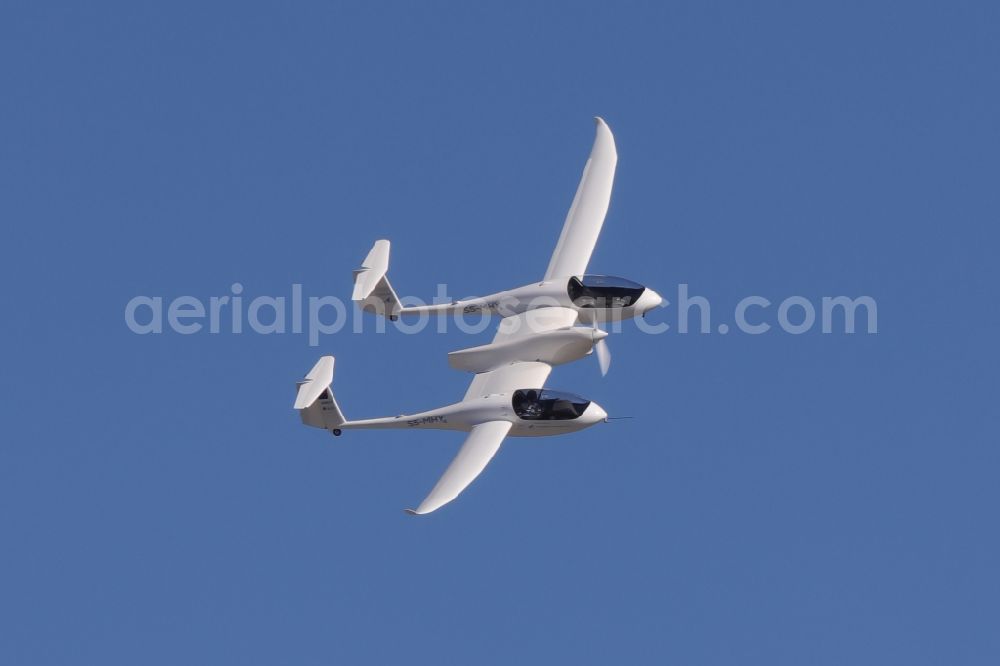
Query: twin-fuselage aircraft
column 538, row 330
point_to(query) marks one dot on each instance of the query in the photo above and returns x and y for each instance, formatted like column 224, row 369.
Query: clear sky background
column 777, row 499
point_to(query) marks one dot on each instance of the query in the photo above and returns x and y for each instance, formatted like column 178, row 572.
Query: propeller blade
column 600, row 346
column 603, row 356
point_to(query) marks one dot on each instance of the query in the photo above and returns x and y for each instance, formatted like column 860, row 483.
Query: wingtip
column 603, row 128
column 411, row 512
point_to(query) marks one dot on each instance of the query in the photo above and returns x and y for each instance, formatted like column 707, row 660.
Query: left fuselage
column 601, row 298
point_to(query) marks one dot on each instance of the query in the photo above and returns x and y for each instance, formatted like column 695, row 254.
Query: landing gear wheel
column 336, row 432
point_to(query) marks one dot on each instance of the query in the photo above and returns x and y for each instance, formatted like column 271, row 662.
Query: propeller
column 601, row 346
column 603, row 356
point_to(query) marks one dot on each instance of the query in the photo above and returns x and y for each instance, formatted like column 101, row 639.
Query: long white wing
column 479, row 448
column 590, row 205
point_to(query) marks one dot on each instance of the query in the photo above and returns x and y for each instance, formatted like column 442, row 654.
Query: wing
column 522, row 374
column 484, row 439
column 479, row 448
column 590, row 205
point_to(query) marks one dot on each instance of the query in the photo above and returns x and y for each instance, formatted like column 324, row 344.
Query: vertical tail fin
column 372, row 291
column 315, row 400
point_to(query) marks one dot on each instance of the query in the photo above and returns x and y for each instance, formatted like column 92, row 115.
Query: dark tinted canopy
column 608, row 281
column 603, row 291
column 547, row 405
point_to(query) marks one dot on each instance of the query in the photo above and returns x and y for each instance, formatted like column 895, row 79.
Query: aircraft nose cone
column 596, row 413
column 653, row 299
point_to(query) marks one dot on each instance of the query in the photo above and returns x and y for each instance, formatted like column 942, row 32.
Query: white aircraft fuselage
column 624, row 300
column 498, row 407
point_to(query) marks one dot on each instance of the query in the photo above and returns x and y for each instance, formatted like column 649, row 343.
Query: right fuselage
column 531, row 412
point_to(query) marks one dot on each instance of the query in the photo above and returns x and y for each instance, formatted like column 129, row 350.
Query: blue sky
column 777, row 499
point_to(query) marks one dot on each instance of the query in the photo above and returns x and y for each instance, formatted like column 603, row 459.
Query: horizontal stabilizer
column 315, row 402
column 373, row 269
column 372, row 291
column 318, row 380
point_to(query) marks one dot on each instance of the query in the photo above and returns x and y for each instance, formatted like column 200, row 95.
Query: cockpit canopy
column 603, row 291
column 547, row 405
